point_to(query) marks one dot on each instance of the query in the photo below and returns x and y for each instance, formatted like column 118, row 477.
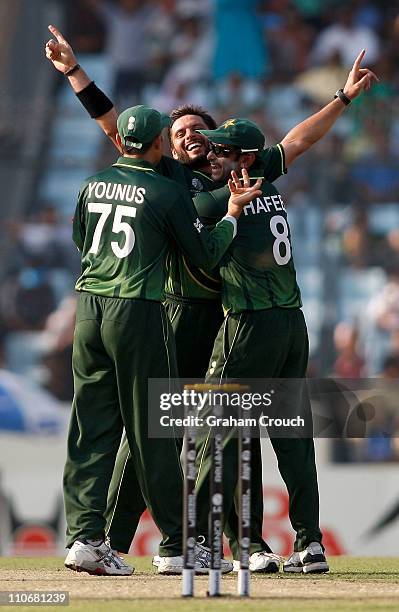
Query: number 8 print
column 281, row 238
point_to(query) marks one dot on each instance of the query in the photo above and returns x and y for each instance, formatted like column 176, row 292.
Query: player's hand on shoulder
column 59, row 51
column 242, row 192
column 359, row 79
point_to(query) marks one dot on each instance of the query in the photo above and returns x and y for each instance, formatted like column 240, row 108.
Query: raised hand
column 359, row 79
column 241, row 192
column 59, row 51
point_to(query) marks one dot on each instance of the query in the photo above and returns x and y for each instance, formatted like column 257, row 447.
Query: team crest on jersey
column 198, row 226
column 131, row 123
column 197, row 185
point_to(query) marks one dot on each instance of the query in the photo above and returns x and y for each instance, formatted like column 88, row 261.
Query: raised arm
column 308, row 132
column 61, row 54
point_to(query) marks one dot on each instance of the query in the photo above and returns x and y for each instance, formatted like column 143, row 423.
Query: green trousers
column 118, row 345
column 195, row 325
column 265, row 344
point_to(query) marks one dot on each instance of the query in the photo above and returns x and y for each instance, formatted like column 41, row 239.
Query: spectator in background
column 161, row 31
column 289, row 40
column 26, row 299
column 392, row 240
column 312, row 11
column 239, row 45
column 383, row 321
column 44, row 237
column 319, row 81
column 59, row 328
column 86, row 28
column 191, row 54
column 356, row 240
column 390, row 367
column 379, row 444
column 385, row 306
column 375, row 174
column 349, row 362
column 345, row 35
column 126, row 23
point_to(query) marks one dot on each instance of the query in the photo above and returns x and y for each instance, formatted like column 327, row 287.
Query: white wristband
column 232, row 220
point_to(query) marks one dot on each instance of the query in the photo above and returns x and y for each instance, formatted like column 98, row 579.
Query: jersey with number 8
column 258, row 270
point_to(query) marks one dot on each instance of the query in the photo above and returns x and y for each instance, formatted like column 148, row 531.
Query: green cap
column 241, row 133
column 140, row 124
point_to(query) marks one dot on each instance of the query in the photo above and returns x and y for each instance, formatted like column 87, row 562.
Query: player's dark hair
column 135, row 150
column 191, row 109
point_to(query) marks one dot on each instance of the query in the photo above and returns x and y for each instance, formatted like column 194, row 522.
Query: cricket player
column 125, row 218
column 183, row 309
column 264, row 334
column 192, row 299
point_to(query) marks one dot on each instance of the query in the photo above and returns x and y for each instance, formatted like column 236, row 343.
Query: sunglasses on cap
column 223, row 150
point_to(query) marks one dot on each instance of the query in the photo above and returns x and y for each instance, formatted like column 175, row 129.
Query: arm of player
column 203, row 248
column 211, row 206
column 61, row 54
column 307, row 133
column 79, row 230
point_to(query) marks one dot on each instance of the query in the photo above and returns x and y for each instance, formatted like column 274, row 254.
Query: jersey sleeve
column 273, row 163
column 204, row 248
column 212, row 205
column 78, row 231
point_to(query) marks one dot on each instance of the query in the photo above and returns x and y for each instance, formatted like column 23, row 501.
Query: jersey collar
column 134, row 164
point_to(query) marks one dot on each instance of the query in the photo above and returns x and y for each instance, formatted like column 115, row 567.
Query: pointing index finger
column 359, row 58
column 57, row 34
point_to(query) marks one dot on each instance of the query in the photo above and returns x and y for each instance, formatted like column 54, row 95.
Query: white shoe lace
column 110, row 556
column 115, row 559
column 272, row 556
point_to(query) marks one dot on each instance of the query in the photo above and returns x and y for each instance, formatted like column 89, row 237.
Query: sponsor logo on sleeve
column 198, row 225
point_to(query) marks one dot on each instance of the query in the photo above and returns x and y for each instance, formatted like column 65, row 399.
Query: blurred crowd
column 275, row 61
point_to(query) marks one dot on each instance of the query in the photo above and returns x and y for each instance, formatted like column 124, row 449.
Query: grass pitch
column 365, row 584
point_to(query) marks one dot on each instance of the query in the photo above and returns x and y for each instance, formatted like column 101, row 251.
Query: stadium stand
column 341, row 257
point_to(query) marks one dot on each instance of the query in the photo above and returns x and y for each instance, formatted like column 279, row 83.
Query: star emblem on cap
column 229, row 123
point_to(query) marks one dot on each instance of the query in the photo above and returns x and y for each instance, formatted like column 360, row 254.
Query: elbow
column 294, row 148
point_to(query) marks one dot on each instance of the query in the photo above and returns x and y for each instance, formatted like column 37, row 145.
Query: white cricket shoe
column 261, row 562
column 174, row 565
column 170, row 566
column 97, row 560
column 309, row 561
column 203, row 561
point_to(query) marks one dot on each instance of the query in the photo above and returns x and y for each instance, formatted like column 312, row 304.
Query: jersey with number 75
column 126, row 219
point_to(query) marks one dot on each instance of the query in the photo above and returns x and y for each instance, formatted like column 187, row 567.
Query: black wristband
column 71, row 71
column 343, row 97
column 94, row 100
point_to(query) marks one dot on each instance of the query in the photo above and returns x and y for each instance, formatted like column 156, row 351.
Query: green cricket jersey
column 176, row 171
column 258, row 270
column 126, row 219
column 184, row 279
